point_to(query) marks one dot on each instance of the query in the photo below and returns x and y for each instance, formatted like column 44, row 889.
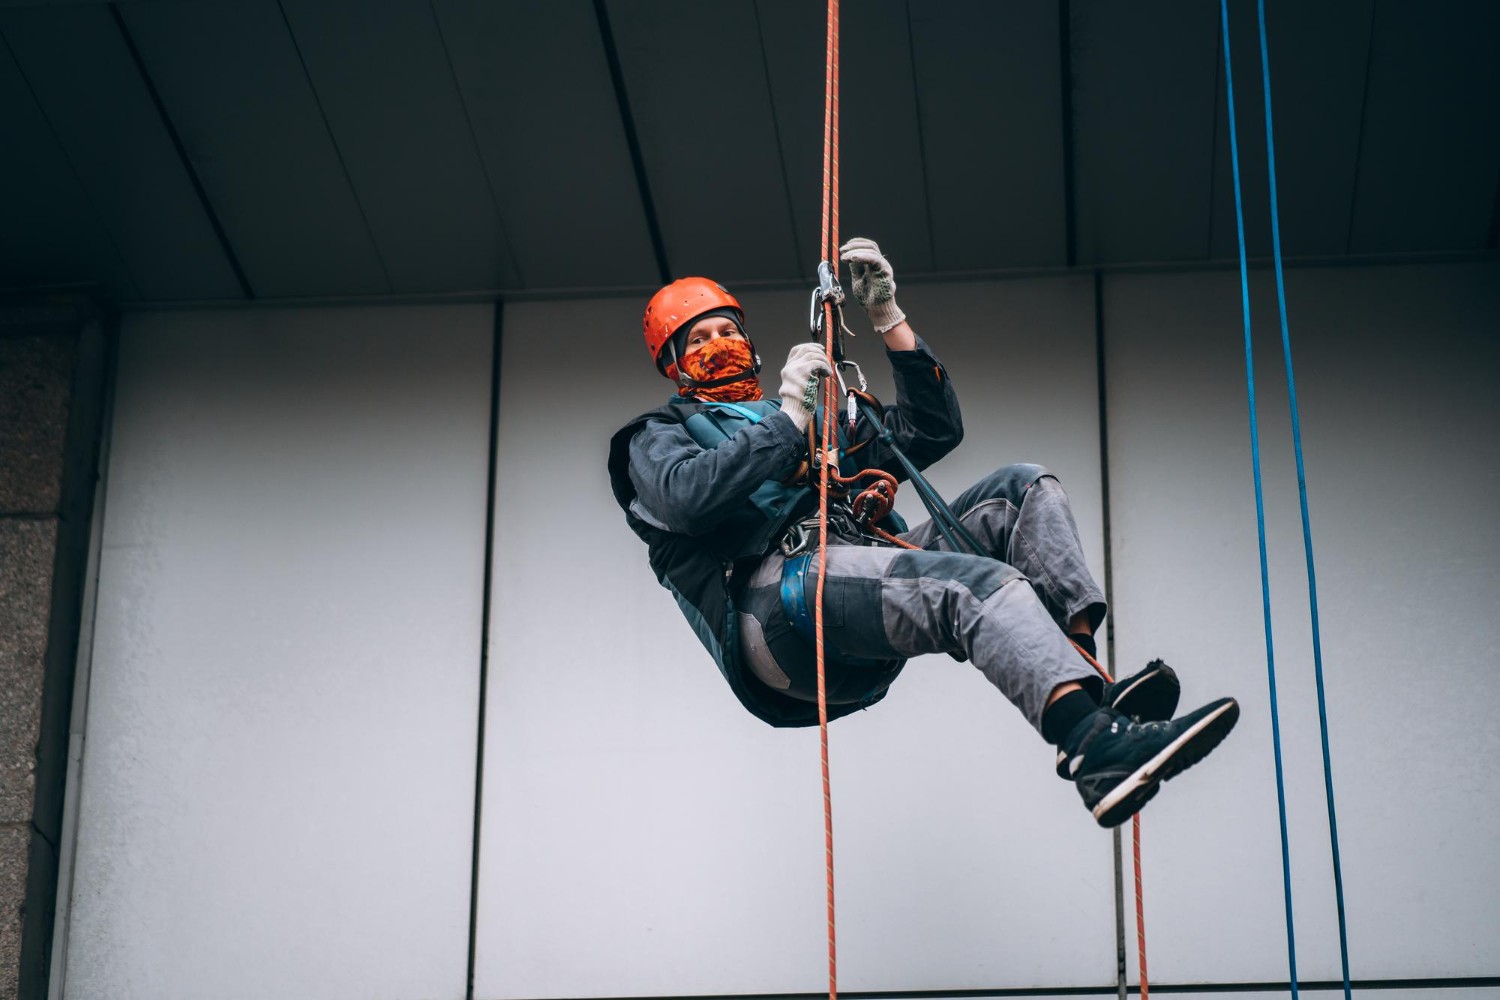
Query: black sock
column 1087, row 642
column 1065, row 713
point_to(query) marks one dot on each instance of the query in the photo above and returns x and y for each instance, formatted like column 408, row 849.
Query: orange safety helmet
column 678, row 304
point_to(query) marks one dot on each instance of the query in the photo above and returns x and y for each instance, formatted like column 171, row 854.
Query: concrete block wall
column 52, row 360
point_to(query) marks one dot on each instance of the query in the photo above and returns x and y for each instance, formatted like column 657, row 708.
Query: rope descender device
column 828, row 290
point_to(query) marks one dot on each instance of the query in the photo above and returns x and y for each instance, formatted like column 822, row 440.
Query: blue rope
column 1307, row 545
column 1260, row 510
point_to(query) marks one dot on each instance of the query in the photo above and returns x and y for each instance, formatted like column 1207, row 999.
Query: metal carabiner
column 864, row 386
column 828, row 290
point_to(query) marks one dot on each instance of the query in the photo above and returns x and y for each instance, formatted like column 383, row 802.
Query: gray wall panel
column 989, row 85
column 383, row 78
column 708, row 136
column 296, row 507
column 1318, row 57
column 233, row 82
column 278, row 783
column 1318, row 60
column 636, row 806
column 53, row 232
column 1431, row 150
column 1250, row 125
column 1394, row 365
column 1143, row 99
column 96, row 101
column 537, row 89
column 882, row 186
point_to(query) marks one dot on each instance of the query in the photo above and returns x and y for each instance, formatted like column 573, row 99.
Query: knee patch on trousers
column 982, row 577
column 1013, row 481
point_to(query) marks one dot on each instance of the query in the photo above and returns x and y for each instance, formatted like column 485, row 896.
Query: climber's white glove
column 799, row 382
column 874, row 282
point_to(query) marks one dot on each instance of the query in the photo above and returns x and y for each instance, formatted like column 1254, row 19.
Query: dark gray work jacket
column 700, row 484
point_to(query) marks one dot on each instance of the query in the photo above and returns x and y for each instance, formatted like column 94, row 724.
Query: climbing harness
column 1260, row 505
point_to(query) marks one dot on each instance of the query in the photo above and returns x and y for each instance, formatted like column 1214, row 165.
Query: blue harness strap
column 743, row 411
column 794, row 595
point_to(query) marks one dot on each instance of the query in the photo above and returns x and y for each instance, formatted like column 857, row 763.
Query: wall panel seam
column 484, row 638
column 182, row 154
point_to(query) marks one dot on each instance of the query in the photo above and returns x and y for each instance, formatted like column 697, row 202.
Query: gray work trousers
column 1004, row 611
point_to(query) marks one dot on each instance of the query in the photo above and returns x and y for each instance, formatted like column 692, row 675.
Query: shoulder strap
column 743, row 411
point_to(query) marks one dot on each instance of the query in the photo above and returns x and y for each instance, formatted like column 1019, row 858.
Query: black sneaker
column 1149, row 695
column 1118, row 764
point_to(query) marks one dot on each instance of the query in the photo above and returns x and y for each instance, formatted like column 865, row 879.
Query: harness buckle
column 797, row 540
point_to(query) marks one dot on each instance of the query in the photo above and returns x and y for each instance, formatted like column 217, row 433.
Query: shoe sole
column 1127, row 798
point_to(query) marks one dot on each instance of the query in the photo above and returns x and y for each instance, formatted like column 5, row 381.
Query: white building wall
column 1395, row 376
column 643, row 834
column 279, row 776
column 278, row 782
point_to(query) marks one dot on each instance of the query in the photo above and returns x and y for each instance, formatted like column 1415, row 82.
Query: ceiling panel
column 1317, row 57
column 697, row 84
column 418, row 146
column 1431, row 155
column 233, row 84
column 1318, row 54
column 102, row 113
column 989, row 86
column 1251, row 131
column 1143, row 115
column 882, row 186
column 382, row 75
column 51, row 231
column 537, row 88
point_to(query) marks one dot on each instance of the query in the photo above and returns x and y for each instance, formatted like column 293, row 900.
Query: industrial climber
column 710, row 482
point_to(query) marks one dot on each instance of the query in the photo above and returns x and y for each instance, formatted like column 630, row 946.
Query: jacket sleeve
column 925, row 422
column 689, row 488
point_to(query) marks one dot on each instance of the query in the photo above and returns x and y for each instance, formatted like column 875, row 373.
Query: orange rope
column 1140, row 904
column 829, row 252
column 1135, row 837
column 827, row 467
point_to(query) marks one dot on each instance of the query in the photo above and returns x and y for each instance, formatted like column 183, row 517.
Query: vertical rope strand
column 1140, row 905
column 828, row 160
column 1307, row 544
column 827, row 444
column 832, row 235
column 1260, row 511
column 830, row 455
column 1135, row 837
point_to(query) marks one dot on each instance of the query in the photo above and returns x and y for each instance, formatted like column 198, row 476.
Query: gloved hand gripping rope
column 874, row 288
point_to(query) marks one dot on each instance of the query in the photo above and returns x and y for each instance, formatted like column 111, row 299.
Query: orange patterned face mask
column 720, row 359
